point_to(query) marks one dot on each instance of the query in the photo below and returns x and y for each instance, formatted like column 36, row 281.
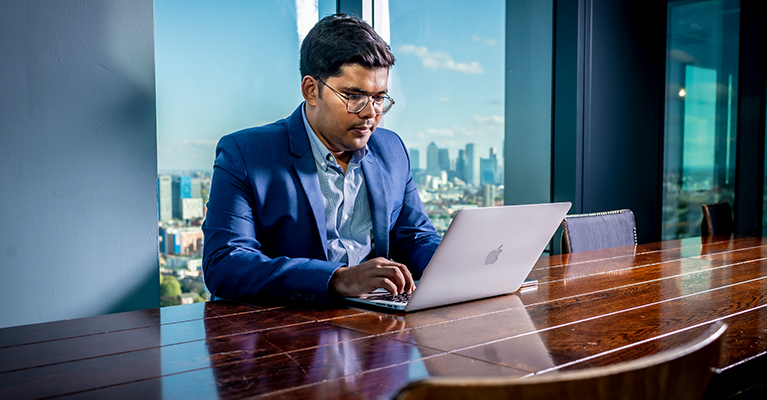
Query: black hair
column 342, row 39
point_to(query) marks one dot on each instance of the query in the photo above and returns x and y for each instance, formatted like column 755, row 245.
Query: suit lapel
column 378, row 198
column 306, row 171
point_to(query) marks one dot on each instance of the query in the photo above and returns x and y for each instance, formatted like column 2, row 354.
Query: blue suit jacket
column 265, row 224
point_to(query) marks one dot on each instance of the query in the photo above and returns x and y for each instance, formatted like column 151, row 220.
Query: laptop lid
column 485, row 252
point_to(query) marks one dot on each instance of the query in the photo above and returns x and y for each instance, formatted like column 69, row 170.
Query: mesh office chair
column 583, row 232
column 680, row 374
column 717, row 219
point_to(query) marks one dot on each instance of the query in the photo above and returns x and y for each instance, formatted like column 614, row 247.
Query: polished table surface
column 589, row 309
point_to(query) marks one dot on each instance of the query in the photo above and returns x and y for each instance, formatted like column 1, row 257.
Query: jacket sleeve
column 234, row 264
column 413, row 237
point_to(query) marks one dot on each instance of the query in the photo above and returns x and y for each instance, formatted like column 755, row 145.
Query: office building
column 195, row 188
column 184, row 241
column 432, row 159
column 471, row 167
column 488, row 195
column 191, row 209
column 187, row 198
column 493, row 155
column 415, row 160
column 165, row 197
column 182, row 189
column 460, row 165
column 487, row 171
column 444, row 160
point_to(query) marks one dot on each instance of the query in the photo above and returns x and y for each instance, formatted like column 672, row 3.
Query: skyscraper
column 432, row 159
column 415, row 160
column 444, row 160
column 460, row 165
column 494, row 159
column 195, row 189
column 487, row 176
column 182, row 189
column 471, row 169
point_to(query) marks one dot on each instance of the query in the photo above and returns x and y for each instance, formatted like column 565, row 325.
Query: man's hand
column 371, row 275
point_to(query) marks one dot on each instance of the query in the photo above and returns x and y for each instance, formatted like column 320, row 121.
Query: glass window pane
column 764, row 192
column 700, row 122
column 220, row 67
column 448, row 84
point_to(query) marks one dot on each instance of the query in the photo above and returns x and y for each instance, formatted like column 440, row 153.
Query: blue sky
column 228, row 65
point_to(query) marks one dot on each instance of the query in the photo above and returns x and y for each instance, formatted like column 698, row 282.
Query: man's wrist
column 334, row 283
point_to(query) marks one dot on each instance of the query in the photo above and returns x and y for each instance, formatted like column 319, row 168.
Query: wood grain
column 589, row 309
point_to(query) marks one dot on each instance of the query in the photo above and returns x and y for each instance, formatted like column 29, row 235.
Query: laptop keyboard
column 400, row 298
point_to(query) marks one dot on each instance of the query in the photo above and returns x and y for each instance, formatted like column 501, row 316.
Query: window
column 700, row 115
column 448, row 82
column 220, row 67
column 228, row 65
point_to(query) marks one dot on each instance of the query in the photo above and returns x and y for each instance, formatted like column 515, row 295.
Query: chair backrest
column 602, row 230
column 680, row 374
column 717, row 219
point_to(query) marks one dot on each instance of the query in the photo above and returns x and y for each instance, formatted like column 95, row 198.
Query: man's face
column 340, row 130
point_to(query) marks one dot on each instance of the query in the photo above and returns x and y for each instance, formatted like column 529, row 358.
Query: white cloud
column 483, row 126
column 440, row 132
column 444, row 100
column 440, row 59
column 489, row 42
column 431, row 133
column 490, row 120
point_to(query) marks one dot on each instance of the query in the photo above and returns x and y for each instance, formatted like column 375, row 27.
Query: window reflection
column 701, row 96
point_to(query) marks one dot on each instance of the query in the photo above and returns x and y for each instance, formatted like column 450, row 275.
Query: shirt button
column 346, row 217
column 351, row 247
column 322, row 165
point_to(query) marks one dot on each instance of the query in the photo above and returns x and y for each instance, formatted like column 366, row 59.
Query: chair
column 717, row 219
column 583, row 232
column 681, row 373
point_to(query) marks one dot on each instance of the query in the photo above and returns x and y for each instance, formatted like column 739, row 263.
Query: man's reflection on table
column 269, row 360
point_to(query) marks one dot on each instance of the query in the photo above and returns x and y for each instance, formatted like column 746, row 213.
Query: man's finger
column 399, row 275
column 387, row 285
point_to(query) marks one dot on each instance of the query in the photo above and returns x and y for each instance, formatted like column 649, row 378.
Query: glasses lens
column 356, row 103
column 381, row 104
column 385, row 105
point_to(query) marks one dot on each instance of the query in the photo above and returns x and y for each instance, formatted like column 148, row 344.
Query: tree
column 169, row 286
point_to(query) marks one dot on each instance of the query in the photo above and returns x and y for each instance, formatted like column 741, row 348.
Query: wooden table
column 589, row 309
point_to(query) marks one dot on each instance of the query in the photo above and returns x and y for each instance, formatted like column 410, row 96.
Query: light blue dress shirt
column 347, row 210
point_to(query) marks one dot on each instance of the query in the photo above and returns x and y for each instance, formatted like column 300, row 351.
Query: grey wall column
column 608, row 100
column 749, row 182
column 528, row 77
column 567, row 150
column 567, row 107
column 78, row 159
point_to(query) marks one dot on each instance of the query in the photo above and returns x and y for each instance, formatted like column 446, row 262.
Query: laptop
column 485, row 252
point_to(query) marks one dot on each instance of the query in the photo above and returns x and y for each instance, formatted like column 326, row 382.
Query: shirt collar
column 322, row 155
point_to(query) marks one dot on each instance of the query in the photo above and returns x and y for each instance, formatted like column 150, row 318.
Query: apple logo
column 492, row 257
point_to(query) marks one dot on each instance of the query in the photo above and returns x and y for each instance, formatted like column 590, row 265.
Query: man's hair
column 341, row 39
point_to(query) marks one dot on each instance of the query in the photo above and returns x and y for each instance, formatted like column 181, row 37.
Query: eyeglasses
column 356, row 102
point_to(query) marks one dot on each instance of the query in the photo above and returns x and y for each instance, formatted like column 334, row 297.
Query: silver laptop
column 485, row 252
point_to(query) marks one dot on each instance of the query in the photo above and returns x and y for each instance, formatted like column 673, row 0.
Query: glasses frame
column 368, row 98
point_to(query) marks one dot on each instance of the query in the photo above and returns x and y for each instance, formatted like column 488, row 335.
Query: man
column 320, row 204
